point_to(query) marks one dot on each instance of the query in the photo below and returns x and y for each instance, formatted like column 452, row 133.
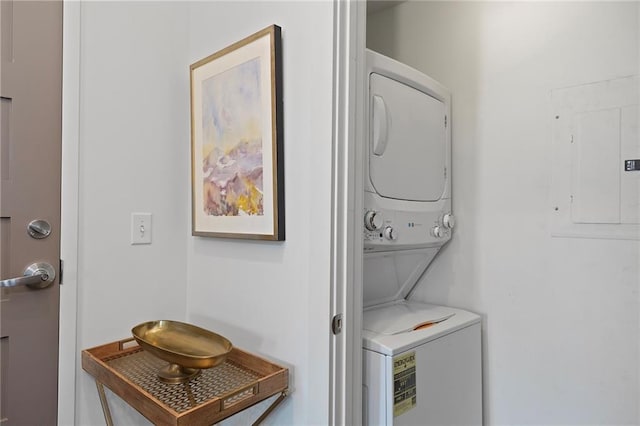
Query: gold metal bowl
column 187, row 348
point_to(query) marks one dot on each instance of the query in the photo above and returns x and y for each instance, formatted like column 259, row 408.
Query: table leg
column 105, row 404
column 275, row 403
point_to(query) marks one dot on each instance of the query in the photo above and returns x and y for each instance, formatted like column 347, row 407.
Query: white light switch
column 140, row 228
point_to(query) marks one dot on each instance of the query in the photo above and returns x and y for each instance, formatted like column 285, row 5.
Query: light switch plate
column 140, row 228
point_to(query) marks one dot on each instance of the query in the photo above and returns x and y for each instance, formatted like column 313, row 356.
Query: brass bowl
column 187, row 348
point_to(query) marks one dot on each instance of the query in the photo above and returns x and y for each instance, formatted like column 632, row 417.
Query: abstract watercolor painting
column 236, row 126
column 232, row 142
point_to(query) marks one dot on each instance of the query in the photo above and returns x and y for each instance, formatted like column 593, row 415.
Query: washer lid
column 382, row 321
column 404, row 317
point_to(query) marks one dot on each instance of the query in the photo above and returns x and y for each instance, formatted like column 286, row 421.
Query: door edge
column 67, row 344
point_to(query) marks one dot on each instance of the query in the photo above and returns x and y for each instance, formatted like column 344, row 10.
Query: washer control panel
column 389, row 230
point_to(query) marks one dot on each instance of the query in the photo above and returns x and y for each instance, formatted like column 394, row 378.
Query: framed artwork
column 237, row 166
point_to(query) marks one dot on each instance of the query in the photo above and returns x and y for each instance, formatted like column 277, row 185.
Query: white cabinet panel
column 595, row 185
column 595, row 130
column 630, row 180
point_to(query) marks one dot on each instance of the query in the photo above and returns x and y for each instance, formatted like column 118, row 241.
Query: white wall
column 561, row 317
column 134, row 138
column 133, row 157
column 268, row 297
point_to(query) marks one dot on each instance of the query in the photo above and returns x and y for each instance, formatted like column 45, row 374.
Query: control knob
column 373, row 220
column 390, row 233
column 437, row 231
column 448, row 221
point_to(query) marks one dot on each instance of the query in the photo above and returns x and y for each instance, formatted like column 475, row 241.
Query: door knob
column 37, row 275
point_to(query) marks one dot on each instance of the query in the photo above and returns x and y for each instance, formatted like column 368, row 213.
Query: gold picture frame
column 237, row 157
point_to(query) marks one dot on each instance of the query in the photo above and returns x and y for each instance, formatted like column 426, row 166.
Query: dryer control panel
column 395, row 229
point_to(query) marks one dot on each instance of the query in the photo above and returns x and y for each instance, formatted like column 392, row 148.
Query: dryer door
column 407, row 141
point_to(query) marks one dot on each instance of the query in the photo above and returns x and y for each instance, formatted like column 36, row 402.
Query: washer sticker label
column 404, row 383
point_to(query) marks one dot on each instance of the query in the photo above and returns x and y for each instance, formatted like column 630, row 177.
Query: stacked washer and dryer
column 421, row 362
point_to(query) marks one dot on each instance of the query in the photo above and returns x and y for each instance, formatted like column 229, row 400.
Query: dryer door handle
column 380, row 125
